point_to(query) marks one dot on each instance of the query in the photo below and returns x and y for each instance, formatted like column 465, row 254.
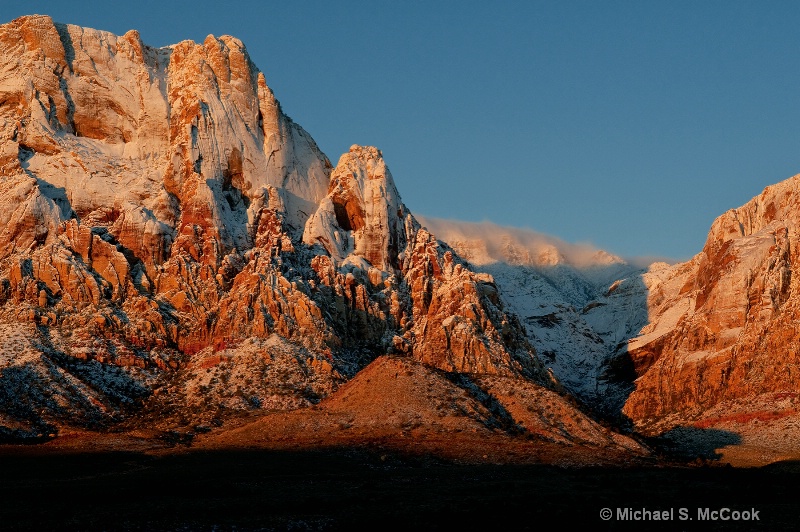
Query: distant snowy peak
column 578, row 304
column 486, row 243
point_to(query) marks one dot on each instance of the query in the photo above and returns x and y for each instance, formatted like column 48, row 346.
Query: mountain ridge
column 176, row 250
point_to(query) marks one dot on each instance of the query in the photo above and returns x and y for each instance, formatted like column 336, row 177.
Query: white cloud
column 487, row 242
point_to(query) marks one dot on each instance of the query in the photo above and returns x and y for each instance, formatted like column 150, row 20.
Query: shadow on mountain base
column 691, row 443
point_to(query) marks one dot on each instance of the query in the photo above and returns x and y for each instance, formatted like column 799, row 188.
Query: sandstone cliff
column 723, row 326
column 161, row 216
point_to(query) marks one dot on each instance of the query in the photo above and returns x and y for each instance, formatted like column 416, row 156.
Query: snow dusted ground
column 42, row 384
column 15, row 346
column 269, row 373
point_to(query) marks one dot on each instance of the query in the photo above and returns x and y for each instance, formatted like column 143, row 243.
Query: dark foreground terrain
column 347, row 488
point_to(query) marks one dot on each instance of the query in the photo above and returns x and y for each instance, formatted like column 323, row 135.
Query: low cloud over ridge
column 486, row 242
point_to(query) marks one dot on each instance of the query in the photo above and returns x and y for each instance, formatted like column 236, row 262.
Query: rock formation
column 162, row 215
column 723, row 326
column 172, row 245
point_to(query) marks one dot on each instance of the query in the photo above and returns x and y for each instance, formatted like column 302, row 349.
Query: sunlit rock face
column 362, row 213
column 723, row 326
column 441, row 312
column 158, row 209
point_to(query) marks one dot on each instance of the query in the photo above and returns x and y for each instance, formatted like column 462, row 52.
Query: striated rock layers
column 160, row 211
column 723, row 332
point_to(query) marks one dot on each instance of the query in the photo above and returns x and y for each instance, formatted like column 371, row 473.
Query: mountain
column 579, row 305
column 701, row 354
column 176, row 254
column 175, row 249
column 722, row 343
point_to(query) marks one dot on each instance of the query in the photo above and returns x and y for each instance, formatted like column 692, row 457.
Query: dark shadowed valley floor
column 343, row 488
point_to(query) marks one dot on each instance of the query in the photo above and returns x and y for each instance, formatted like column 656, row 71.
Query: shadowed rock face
column 723, row 326
column 160, row 202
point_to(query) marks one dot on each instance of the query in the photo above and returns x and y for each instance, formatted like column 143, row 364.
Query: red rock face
column 439, row 311
column 723, row 326
column 160, row 200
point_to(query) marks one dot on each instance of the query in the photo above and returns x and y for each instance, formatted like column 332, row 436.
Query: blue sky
column 629, row 125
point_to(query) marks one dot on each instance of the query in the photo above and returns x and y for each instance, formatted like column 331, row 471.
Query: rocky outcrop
column 425, row 300
column 723, row 326
column 362, row 213
column 160, row 200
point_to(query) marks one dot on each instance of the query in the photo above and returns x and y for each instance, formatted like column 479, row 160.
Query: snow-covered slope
column 579, row 305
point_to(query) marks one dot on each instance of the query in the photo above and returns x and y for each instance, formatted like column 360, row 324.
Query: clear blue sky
column 630, row 125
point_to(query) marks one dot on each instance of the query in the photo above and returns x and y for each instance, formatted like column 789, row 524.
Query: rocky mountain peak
column 362, row 214
column 161, row 216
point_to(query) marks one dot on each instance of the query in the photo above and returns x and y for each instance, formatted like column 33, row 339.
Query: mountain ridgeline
column 174, row 248
column 163, row 218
